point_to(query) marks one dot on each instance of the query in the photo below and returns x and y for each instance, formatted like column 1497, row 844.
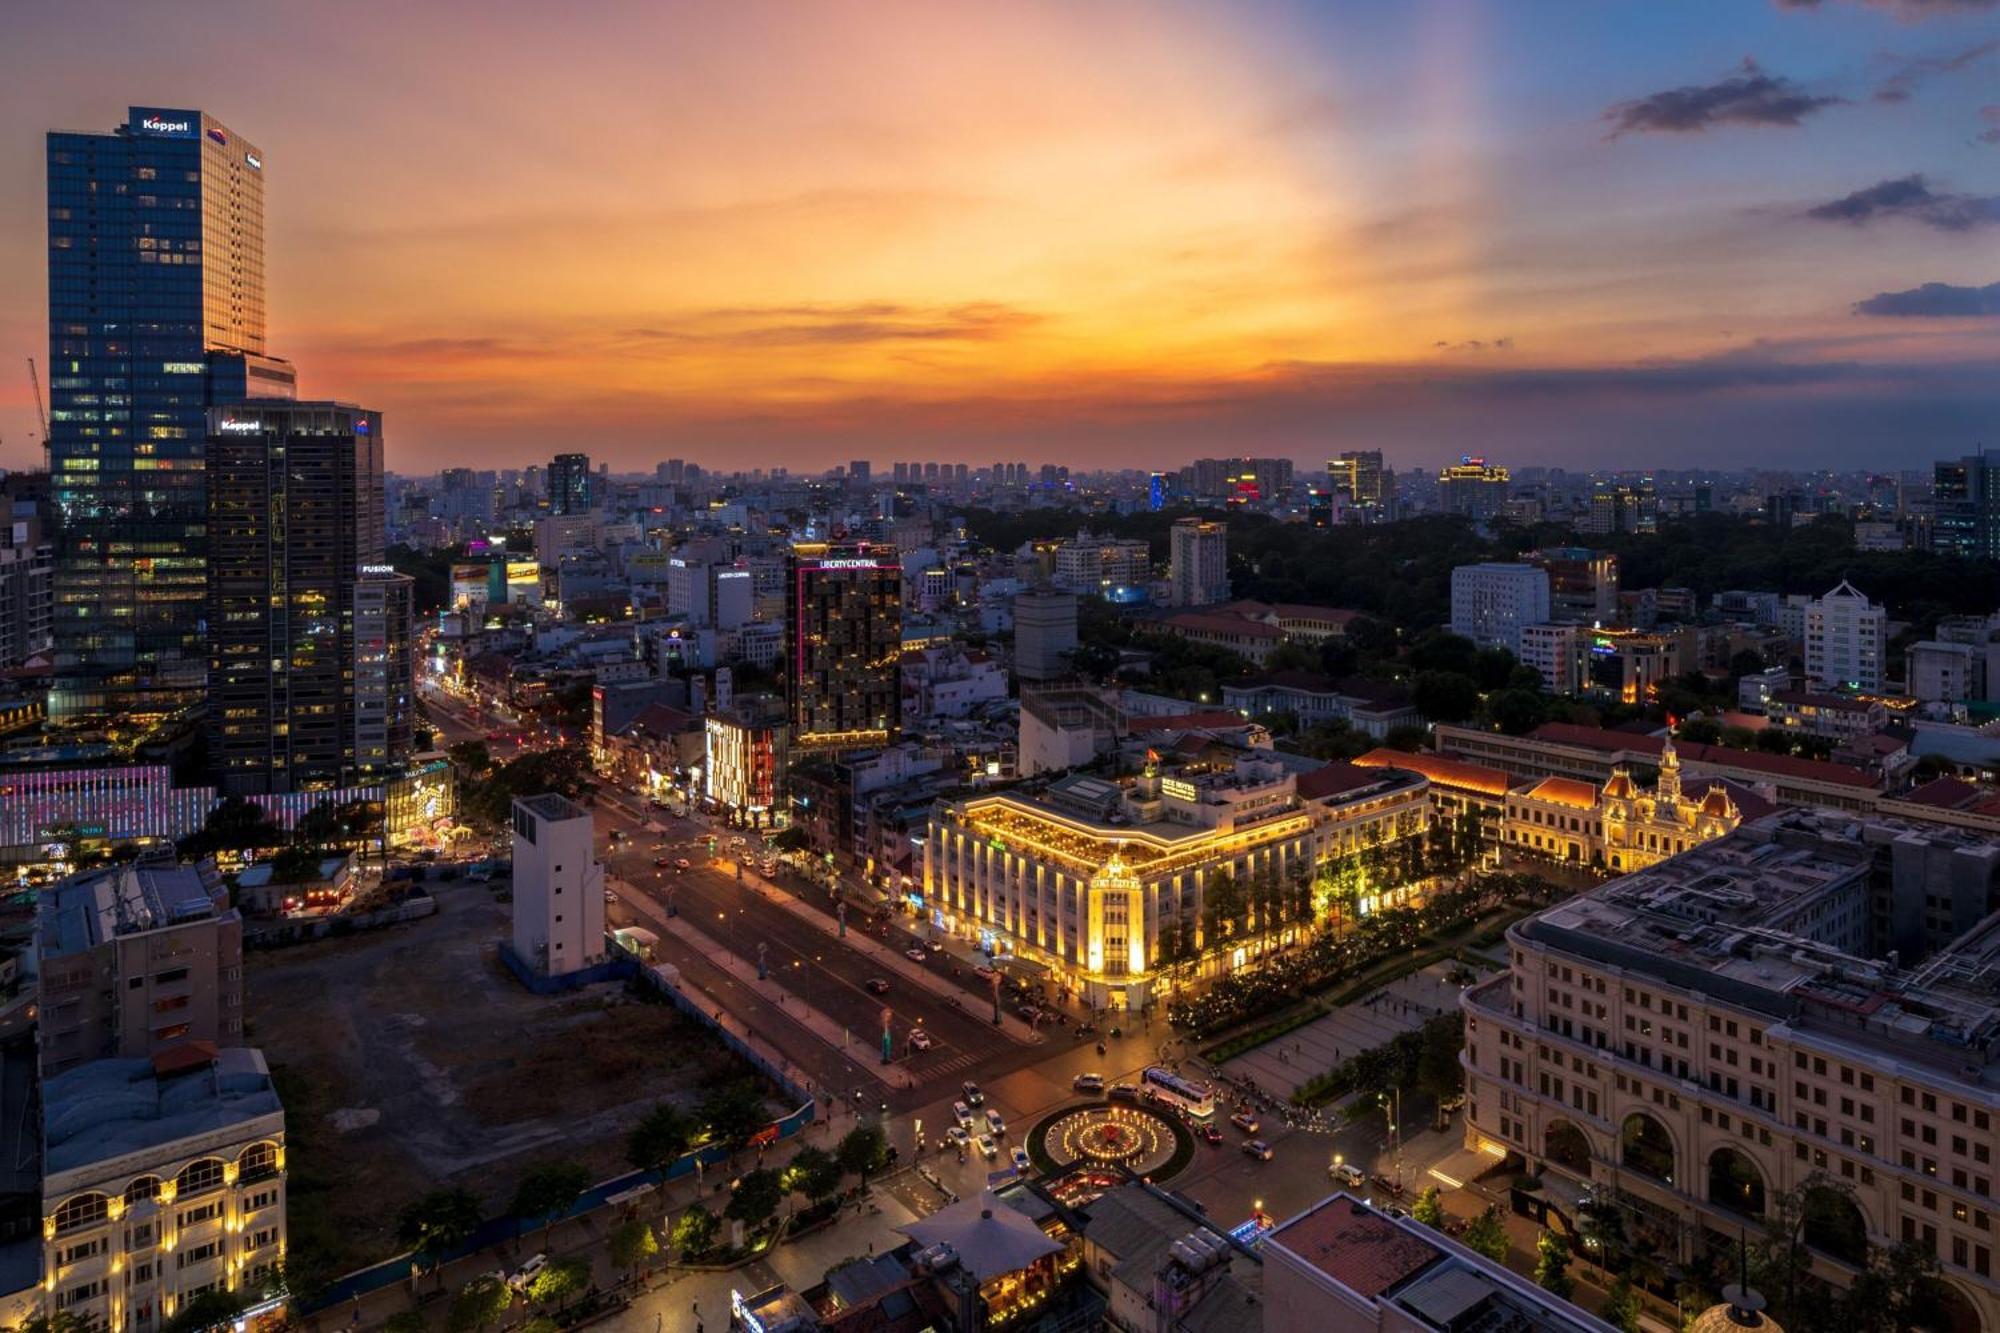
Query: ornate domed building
column 1622, row 826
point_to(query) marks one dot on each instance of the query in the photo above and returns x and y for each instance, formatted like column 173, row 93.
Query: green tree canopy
column 814, row 1172
column 660, row 1137
column 549, row 1190
column 1486, row 1235
column 1552, row 1265
column 559, row 1282
column 756, row 1197
column 863, row 1149
column 633, row 1243
column 480, row 1302
column 439, row 1220
column 735, row 1111
column 694, row 1230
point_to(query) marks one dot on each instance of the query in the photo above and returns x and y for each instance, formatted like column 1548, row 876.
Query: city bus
column 1193, row 1099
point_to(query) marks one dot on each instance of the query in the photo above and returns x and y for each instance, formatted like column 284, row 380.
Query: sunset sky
column 1572, row 232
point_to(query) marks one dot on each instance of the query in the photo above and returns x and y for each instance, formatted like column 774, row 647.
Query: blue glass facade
column 156, row 311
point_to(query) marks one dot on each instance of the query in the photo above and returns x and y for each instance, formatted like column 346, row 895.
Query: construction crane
column 41, row 413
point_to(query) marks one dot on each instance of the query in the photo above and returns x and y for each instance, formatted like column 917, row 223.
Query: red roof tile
column 1442, row 771
column 1336, row 779
column 1357, row 1247
column 1755, row 761
column 1943, row 794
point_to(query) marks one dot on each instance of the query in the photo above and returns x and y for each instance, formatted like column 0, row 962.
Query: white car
column 994, row 1122
column 1020, row 1156
column 920, row 1040
column 916, row 955
column 962, row 1113
column 1348, row 1174
column 524, row 1275
column 957, row 1137
column 987, row 1147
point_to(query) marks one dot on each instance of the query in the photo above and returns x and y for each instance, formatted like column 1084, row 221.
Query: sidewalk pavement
column 1401, row 1006
column 836, row 1036
column 858, row 939
column 586, row 1235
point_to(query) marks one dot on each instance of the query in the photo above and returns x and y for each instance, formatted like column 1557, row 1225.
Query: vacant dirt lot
column 410, row 1058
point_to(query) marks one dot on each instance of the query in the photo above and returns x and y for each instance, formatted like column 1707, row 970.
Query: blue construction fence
column 496, row 1230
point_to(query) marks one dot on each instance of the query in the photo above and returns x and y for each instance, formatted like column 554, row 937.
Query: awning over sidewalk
column 1463, row 1167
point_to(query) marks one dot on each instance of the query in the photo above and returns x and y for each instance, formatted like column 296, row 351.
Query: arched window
column 1565, row 1145
column 199, row 1178
column 1834, row 1225
column 143, row 1189
column 1646, row 1147
column 256, row 1162
column 84, row 1210
column 1735, row 1183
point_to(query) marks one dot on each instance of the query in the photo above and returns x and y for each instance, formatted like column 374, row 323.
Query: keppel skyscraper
column 156, row 313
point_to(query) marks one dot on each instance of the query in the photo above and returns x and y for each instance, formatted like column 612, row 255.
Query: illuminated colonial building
column 1805, row 1005
column 1085, row 876
column 162, row 1179
column 1620, row 826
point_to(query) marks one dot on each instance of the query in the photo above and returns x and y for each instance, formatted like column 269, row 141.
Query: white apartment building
column 1847, row 639
column 1044, row 633
column 1807, row 1003
column 1090, row 564
column 558, row 886
column 162, row 1179
column 1557, row 652
column 1198, row 565
column 1494, row 601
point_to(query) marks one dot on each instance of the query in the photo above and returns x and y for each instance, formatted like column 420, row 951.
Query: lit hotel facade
column 1085, row 877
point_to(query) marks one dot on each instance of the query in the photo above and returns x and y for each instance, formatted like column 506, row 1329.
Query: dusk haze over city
column 988, row 666
column 1697, row 233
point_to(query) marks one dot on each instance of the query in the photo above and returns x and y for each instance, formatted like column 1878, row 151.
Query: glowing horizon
column 754, row 234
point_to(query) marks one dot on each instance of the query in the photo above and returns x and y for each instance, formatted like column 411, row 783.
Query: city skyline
column 1754, row 234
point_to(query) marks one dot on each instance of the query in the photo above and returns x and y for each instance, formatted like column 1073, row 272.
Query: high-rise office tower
column 156, row 312
column 27, row 567
column 385, row 680
column 846, row 622
column 1965, row 503
column 295, row 531
column 857, row 471
column 1357, row 474
column 572, row 488
column 1199, row 562
column 1044, row 633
